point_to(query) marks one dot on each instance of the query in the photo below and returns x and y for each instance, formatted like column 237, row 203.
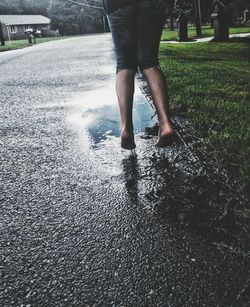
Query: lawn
column 206, row 32
column 210, row 83
column 17, row 44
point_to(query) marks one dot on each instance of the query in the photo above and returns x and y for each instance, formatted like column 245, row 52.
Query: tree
column 10, row 7
column 34, row 6
column 72, row 17
column 170, row 10
column 197, row 13
column 24, row 7
column 1, row 35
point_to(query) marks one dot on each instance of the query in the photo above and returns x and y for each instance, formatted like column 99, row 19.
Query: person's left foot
column 127, row 140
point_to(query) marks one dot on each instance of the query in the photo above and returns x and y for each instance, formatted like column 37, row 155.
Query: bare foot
column 127, row 140
column 165, row 136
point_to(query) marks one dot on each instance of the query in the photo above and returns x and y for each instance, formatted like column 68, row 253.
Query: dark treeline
column 24, row 7
column 73, row 18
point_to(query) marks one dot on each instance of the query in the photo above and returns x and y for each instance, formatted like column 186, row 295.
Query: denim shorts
column 136, row 31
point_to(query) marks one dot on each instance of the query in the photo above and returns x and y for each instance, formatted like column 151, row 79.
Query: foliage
column 210, row 83
column 74, row 18
column 24, row 7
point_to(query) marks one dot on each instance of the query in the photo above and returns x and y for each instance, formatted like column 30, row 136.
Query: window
column 26, row 27
column 13, row 29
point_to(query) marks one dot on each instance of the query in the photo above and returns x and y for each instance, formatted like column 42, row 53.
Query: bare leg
column 125, row 93
column 158, row 89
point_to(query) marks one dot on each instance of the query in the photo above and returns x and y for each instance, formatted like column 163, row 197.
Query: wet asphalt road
column 83, row 224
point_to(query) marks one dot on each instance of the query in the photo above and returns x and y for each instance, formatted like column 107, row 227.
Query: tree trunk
column 171, row 18
column 197, row 11
column 1, row 36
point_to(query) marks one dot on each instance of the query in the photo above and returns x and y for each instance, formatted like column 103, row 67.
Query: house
column 14, row 26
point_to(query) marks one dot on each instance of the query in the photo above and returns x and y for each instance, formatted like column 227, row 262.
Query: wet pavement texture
column 84, row 223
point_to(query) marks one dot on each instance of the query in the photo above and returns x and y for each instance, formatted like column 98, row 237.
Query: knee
column 148, row 69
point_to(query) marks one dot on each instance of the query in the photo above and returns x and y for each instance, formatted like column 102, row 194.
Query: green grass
column 206, row 32
column 17, row 44
column 210, row 83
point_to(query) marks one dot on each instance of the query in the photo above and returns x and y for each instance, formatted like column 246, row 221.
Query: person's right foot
column 165, row 137
column 127, row 140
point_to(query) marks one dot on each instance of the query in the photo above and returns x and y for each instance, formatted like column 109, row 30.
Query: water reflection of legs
column 131, row 176
column 129, row 154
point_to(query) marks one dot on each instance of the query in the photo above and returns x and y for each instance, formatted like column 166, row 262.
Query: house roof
column 24, row 19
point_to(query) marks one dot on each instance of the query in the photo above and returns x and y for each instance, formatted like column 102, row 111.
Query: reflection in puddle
column 98, row 114
column 131, row 177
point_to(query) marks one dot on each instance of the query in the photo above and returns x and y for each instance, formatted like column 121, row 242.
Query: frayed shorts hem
column 126, row 67
column 141, row 67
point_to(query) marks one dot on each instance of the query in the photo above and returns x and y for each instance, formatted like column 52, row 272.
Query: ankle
column 127, row 135
column 164, row 122
column 127, row 129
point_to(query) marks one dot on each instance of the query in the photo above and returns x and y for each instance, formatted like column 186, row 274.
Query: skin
column 158, row 89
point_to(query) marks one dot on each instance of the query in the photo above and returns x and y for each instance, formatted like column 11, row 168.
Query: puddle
column 98, row 115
